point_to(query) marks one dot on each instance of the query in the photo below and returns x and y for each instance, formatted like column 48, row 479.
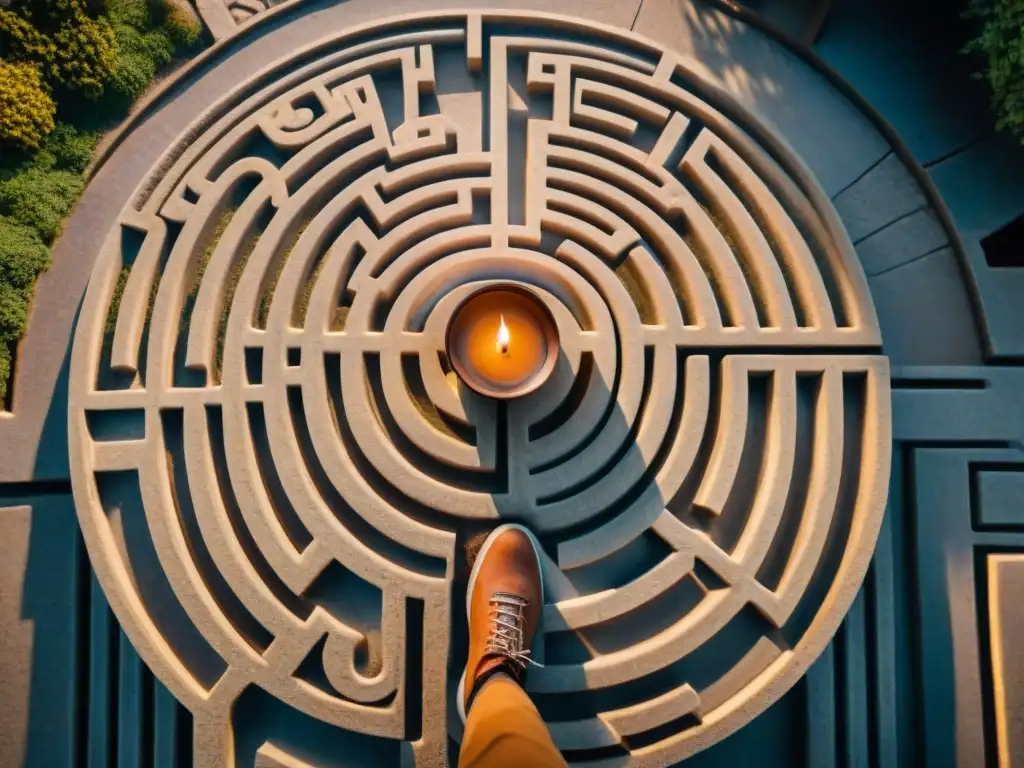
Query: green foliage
column 146, row 40
column 123, row 48
column 23, row 256
column 106, row 52
column 66, row 149
column 40, row 199
column 86, row 53
column 20, row 40
column 5, row 371
column 26, row 109
column 141, row 55
column 13, row 311
column 71, row 49
column 115, row 302
column 1001, row 43
column 185, row 32
column 132, row 13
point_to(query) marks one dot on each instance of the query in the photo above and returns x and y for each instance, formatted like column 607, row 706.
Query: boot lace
column 505, row 637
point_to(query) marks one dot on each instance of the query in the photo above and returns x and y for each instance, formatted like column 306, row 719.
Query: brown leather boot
column 504, row 602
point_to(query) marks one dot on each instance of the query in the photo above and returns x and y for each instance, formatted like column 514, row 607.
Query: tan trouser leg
column 504, row 730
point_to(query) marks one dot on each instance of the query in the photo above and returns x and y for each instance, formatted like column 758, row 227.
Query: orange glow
column 481, row 338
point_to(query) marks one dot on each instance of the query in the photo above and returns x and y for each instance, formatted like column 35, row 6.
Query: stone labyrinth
column 276, row 472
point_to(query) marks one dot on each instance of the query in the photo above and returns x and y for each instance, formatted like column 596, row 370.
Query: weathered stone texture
column 274, row 471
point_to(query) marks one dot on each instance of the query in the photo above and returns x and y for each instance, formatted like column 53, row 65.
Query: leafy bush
column 66, row 149
column 185, row 32
column 134, row 13
column 13, row 311
column 1001, row 42
column 40, row 198
column 23, row 256
column 141, row 54
column 86, row 52
column 5, row 370
column 20, row 40
column 26, row 109
column 147, row 33
column 70, row 48
column 64, row 51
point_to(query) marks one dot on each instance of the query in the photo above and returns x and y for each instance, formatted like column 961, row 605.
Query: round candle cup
column 502, row 341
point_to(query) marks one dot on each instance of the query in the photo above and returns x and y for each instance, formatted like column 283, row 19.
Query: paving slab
column 984, row 189
column 925, row 312
column 883, row 194
column 903, row 240
column 904, row 58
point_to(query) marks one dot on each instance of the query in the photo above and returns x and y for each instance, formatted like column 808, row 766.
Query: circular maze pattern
column 276, row 470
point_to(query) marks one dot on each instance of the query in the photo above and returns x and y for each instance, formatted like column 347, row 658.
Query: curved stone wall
column 258, row 372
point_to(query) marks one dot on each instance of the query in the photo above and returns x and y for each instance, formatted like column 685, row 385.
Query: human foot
column 504, row 601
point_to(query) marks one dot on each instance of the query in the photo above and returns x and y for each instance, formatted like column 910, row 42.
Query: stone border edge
column 804, row 50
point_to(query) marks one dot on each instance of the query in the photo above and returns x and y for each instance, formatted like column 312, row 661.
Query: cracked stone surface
column 707, row 468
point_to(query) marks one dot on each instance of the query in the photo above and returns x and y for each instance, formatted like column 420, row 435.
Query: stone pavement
column 717, row 225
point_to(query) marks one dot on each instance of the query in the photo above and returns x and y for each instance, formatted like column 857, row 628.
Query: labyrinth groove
column 260, row 402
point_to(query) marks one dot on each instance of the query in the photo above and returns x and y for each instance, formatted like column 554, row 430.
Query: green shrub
column 26, row 109
column 86, row 52
column 140, row 55
column 66, row 149
column 13, row 311
column 20, row 40
column 1001, row 42
column 144, row 42
column 40, row 199
column 115, row 302
column 64, row 51
column 70, row 48
column 134, row 13
column 5, row 371
column 185, row 32
column 23, row 256
column 183, row 29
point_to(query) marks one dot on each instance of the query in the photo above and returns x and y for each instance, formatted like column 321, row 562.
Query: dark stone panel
column 904, row 58
column 906, row 678
column 983, row 186
column 40, row 561
column 770, row 735
column 954, row 665
column 925, row 313
column 984, row 190
column 74, row 691
column 884, row 194
column 902, row 241
column 1001, row 497
column 954, row 404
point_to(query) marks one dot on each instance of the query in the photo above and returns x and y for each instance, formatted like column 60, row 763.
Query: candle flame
column 504, row 337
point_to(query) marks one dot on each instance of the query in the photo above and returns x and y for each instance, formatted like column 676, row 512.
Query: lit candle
column 504, row 337
column 502, row 341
